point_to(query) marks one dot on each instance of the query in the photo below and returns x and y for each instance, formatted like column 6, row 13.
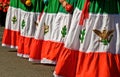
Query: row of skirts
column 84, row 43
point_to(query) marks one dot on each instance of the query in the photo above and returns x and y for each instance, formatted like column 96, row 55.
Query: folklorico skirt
column 21, row 24
column 40, row 44
column 92, row 46
column 48, row 43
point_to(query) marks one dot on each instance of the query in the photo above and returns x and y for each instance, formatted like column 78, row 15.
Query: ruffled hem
column 43, row 61
column 24, row 46
column 10, row 46
column 52, row 50
column 48, row 61
column 13, row 39
column 23, row 55
column 54, row 73
column 66, row 64
column 10, row 38
column 87, row 64
column 35, row 50
column 45, row 51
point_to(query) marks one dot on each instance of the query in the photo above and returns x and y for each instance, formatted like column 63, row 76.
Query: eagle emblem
column 46, row 28
column 105, row 36
column 36, row 23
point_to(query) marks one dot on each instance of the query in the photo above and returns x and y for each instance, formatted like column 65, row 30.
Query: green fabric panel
column 52, row 7
column 72, row 2
column 102, row 6
column 37, row 5
column 14, row 3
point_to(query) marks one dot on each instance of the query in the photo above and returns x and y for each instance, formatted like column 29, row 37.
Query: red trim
column 10, row 37
column 67, row 62
column 85, row 13
column 45, row 49
column 98, row 65
column 35, row 49
column 51, row 50
column 41, row 15
column 24, row 45
column 78, row 64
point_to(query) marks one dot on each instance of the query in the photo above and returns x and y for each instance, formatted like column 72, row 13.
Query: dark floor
column 13, row 66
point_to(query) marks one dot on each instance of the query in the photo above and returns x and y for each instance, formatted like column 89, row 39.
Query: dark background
column 2, row 18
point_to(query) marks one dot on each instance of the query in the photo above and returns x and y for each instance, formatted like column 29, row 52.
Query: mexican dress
column 92, row 47
column 51, row 46
column 12, row 30
column 60, row 30
column 40, row 44
column 21, row 23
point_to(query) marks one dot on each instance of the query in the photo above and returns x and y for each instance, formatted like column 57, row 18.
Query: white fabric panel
column 55, row 22
column 29, row 17
column 48, row 19
column 91, row 39
column 61, row 20
column 10, row 14
column 39, row 29
column 30, row 26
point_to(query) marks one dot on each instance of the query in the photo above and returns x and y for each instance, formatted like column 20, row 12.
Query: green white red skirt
column 51, row 34
column 20, row 25
column 93, row 48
